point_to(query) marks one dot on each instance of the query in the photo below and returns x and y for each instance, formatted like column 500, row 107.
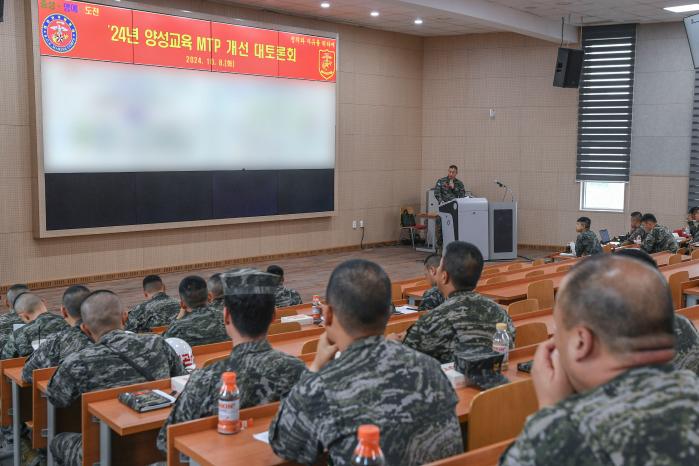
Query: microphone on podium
column 499, row 184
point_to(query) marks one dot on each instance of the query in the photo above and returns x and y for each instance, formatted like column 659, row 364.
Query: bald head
column 29, row 305
column 102, row 312
column 623, row 301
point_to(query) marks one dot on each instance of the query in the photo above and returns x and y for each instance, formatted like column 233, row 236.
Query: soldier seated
column 159, row 309
column 116, row 359
column 197, row 323
column 465, row 316
column 373, row 381
column 432, row 297
column 215, row 287
column 586, row 244
column 8, row 321
column 284, row 296
column 39, row 325
column 606, row 394
column 264, row 374
column 658, row 238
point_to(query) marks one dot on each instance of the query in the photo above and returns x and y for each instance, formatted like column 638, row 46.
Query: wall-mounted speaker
column 568, row 68
column 2, row 10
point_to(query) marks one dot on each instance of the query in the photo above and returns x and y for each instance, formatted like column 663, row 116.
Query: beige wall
column 379, row 128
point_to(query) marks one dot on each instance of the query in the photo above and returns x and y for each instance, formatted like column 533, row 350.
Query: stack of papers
column 300, row 318
column 406, row 309
column 457, row 379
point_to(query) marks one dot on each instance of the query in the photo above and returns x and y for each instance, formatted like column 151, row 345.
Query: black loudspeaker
column 2, row 10
column 568, row 68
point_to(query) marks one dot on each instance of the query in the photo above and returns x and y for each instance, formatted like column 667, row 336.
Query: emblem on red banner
column 59, row 33
column 326, row 64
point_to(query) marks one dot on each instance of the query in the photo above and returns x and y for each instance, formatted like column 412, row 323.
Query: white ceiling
column 539, row 18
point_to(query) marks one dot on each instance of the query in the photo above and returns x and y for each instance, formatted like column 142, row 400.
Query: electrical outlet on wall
column 354, row 224
column 361, row 224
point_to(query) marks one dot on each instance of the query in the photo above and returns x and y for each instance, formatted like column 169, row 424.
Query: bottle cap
column 369, row 433
column 228, row 378
column 501, row 326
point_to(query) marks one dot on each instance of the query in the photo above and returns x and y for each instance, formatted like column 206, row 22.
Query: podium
column 490, row 226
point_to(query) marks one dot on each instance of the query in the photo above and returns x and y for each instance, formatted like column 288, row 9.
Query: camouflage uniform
column 444, row 193
column 374, row 381
column 646, row 416
column 587, row 244
column 55, row 349
column 693, row 228
column 431, row 299
column 98, row 367
column 465, row 320
column 286, row 297
column 20, row 341
column 200, row 326
column 158, row 311
column 264, row 376
column 686, row 344
column 659, row 239
column 636, row 233
column 7, row 322
column 218, row 304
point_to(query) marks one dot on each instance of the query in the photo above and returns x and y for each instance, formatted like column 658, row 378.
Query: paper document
column 262, row 437
column 406, row 309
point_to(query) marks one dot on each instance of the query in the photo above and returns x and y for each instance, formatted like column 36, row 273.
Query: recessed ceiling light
column 683, row 8
column 325, row 5
column 186, row 11
column 418, row 21
column 374, row 14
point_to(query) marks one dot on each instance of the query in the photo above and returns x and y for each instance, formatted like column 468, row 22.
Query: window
column 602, row 195
column 605, row 104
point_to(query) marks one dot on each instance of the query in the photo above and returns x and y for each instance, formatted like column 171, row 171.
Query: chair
column 159, row 330
column 682, row 251
column 211, row 361
column 531, row 334
column 675, row 281
column 515, row 266
column 522, row 307
column 499, row 413
column 564, row 268
column 284, row 328
column 543, row 292
column 486, row 456
column 494, row 280
column 398, row 327
column 607, row 248
column 533, row 273
column 283, row 312
column 695, row 254
column 674, row 259
column 540, row 261
column 311, row 346
column 411, row 228
column 490, row 271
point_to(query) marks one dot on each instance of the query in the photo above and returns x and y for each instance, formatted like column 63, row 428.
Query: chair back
column 499, row 413
column 522, row 307
column 494, row 280
column 540, row 261
column 311, row 346
column 533, row 273
column 531, row 334
column 398, row 327
column 276, row 328
column 564, row 268
column 490, row 271
column 675, row 281
column 211, row 361
column 542, row 291
column 695, row 254
column 674, row 259
column 515, row 266
column 283, row 312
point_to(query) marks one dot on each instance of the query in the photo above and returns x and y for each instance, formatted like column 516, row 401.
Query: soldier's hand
column 550, row 380
column 324, row 354
column 399, row 337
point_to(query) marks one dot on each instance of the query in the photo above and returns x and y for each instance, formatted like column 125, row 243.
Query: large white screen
column 111, row 117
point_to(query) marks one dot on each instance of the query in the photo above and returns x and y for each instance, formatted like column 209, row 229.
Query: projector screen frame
column 37, row 139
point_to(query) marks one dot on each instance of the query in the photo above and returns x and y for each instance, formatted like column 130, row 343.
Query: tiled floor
column 308, row 275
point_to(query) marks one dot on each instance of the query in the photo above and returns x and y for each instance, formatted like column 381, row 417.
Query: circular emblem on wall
column 59, row 33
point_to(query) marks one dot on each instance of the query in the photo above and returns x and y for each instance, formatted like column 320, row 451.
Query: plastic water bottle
column 368, row 451
column 229, row 405
column 501, row 343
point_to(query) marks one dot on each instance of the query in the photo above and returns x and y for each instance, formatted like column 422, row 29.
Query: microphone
column 499, row 184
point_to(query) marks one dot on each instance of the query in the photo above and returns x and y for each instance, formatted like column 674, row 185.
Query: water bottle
column 315, row 310
column 501, row 343
column 228, row 405
column 368, row 451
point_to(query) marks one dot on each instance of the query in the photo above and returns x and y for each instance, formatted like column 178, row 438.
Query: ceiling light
column 374, row 14
column 418, row 21
column 325, row 5
column 683, row 8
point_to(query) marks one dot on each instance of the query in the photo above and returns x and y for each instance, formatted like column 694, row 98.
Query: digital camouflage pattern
column 286, row 297
column 20, row 341
column 638, row 233
column 7, row 322
column 264, row 375
column 201, row 326
column 587, row 244
column 465, row 320
column 374, row 381
column 693, row 228
column 218, row 304
column 431, row 299
column 646, row 416
column 686, row 344
column 158, row 311
column 55, row 349
column 97, row 367
column 445, row 193
column 659, row 239
column 249, row 281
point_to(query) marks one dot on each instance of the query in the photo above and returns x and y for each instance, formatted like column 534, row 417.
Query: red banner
column 98, row 32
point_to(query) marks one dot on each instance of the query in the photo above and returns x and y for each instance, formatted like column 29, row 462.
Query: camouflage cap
column 249, row 281
column 481, row 367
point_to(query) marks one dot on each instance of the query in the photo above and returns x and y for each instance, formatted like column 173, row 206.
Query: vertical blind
column 694, row 154
column 605, row 103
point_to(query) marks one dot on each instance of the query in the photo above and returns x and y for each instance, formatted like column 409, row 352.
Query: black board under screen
column 92, row 200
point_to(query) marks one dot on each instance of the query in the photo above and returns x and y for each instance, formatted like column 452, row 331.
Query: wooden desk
column 20, row 396
column 692, row 296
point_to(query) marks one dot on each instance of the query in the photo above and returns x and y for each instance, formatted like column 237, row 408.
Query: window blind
column 694, row 154
column 606, row 103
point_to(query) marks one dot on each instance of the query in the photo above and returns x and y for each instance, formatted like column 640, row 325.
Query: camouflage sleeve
column 438, row 191
column 296, row 298
column 302, row 417
column 173, row 331
column 548, row 437
column 9, row 351
column 23, row 345
column 65, row 384
column 41, row 358
column 194, row 402
column 424, row 337
column 648, row 243
column 430, row 299
column 460, row 190
column 133, row 321
column 580, row 247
